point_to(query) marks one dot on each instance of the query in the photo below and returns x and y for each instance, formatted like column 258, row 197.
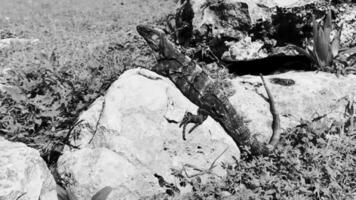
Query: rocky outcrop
column 228, row 15
column 347, row 18
column 245, row 49
column 265, row 25
column 298, row 95
column 131, row 133
column 23, row 173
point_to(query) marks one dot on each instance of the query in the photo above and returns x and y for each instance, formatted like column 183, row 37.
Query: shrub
column 45, row 93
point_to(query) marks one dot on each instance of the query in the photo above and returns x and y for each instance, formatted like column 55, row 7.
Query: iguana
column 200, row 89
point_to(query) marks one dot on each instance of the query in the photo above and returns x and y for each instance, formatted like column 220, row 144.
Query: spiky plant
column 323, row 51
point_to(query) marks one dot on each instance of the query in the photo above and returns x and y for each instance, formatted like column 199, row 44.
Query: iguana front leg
column 191, row 118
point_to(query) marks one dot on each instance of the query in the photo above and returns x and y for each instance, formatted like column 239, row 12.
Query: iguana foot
column 191, row 118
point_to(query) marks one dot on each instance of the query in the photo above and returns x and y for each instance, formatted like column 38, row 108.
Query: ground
column 55, row 22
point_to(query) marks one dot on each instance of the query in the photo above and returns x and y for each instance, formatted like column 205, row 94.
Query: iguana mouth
column 151, row 35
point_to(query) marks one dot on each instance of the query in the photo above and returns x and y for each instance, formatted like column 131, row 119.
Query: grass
column 310, row 162
column 84, row 46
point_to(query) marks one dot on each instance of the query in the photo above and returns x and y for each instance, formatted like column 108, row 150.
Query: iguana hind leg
column 195, row 119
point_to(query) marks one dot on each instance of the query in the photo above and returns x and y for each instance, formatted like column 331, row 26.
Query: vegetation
column 323, row 51
column 84, row 46
column 310, row 162
column 81, row 51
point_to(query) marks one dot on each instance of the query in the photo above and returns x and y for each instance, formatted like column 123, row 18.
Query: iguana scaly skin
column 201, row 89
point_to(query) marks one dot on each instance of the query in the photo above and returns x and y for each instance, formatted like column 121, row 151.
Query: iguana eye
column 155, row 37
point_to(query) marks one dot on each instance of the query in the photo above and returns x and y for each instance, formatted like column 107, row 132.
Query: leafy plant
column 64, row 194
column 323, row 50
column 347, row 125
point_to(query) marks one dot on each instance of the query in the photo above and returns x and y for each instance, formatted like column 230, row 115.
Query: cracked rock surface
column 135, row 135
column 24, row 174
column 313, row 95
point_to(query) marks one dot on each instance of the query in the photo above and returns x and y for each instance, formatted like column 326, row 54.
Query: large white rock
column 23, row 174
column 136, row 138
column 314, row 94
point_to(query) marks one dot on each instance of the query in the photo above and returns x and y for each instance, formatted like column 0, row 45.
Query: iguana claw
column 191, row 118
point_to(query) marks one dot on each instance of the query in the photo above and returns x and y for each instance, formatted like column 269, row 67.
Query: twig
column 202, row 171
column 19, row 197
column 71, row 129
column 149, row 76
column 351, row 112
column 98, row 121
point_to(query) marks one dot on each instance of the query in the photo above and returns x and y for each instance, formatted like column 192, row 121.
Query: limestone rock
column 238, row 21
column 244, row 49
column 93, row 169
column 313, row 95
column 224, row 18
column 131, row 134
column 236, row 14
column 270, row 23
column 347, row 18
column 23, row 173
column 291, row 25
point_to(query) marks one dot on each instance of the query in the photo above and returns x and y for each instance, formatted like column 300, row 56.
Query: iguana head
column 159, row 43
